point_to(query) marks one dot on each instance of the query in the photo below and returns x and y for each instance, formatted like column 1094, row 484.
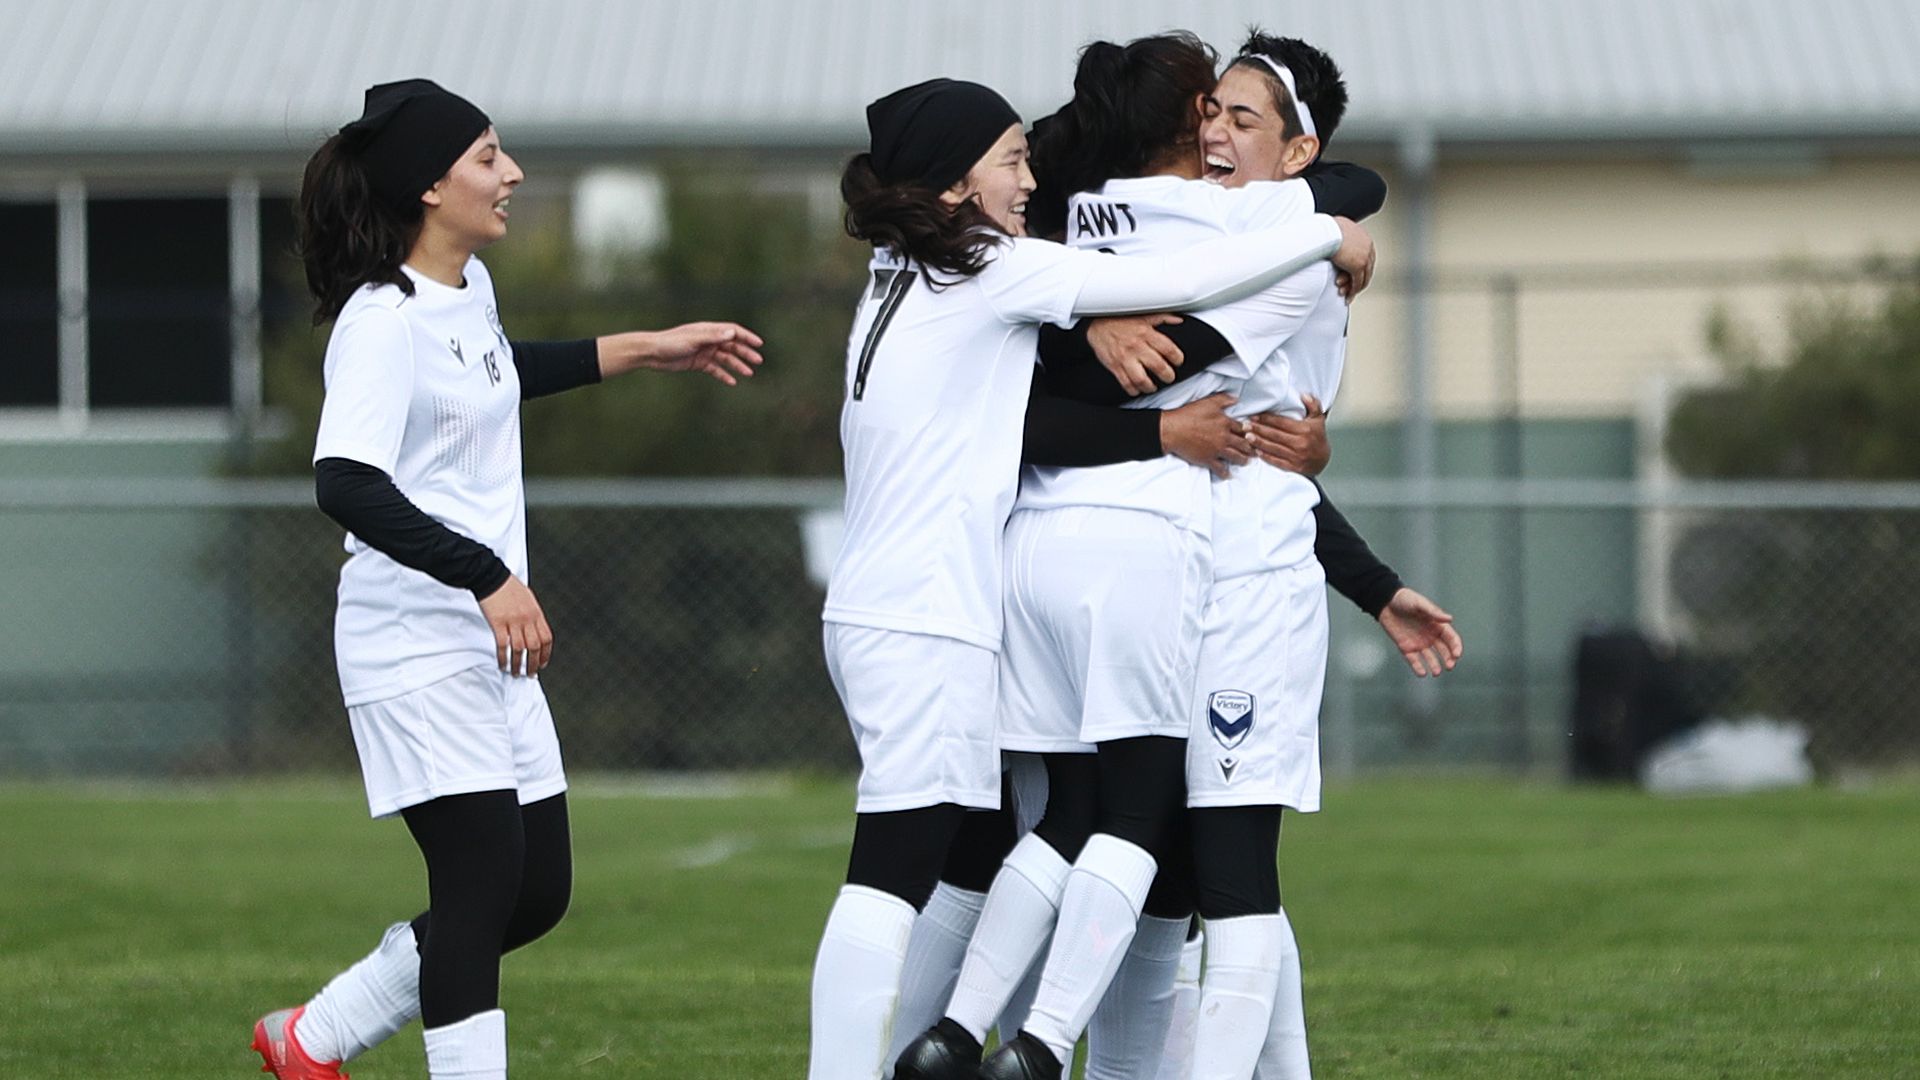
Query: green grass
column 1450, row 928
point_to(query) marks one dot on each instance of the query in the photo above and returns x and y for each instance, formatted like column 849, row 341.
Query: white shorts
column 1256, row 710
column 921, row 709
column 478, row 730
column 1102, row 627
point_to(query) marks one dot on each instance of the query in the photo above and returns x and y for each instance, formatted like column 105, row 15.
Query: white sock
column 366, row 1003
column 1176, row 1059
column 934, row 951
column 1014, row 1016
column 856, row 981
column 1099, row 913
column 1019, row 914
column 1284, row 1055
column 473, row 1049
column 1129, row 1029
column 1236, row 995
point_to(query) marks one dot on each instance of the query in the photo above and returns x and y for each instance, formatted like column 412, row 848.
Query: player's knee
column 901, row 852
column 541, row 908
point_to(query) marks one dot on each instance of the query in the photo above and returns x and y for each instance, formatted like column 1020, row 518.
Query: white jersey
column 937, row 382
column 423, row 388
column 1263, row 516
column 1155, row 215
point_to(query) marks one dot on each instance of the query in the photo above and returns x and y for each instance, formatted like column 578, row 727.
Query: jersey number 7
column 889, row 287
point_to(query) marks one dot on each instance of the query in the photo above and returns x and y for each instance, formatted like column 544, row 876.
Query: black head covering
column 931, row 133
column 409, row 134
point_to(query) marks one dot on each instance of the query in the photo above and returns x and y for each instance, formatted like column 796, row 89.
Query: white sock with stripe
column 366, row 1003
column 1236, row 994
column 856, row 983
column 1128, row 1032
column 473, row 1049
column 1019, row 914
column 1284, row 1055
column 1099, row 914
column 1176, row 1058
column 935, row 950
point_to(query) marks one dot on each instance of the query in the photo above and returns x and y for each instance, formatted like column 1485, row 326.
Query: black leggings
column 901, row 852
column 981, row 845
column 1143, row 787
column 1236, row 860
column 499, row 875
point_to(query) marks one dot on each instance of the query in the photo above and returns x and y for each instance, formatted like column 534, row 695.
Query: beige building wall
column 1595, row 346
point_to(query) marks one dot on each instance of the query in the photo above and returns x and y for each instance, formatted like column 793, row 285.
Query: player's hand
column 1422, row 632
column 1140, row 357
column 1355, row 257
column 1299, row 446
column 1201, row 433
column 722, row 350
column 523, row 642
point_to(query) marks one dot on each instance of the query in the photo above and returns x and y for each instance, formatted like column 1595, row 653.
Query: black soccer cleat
column 1024, row 1058
column 946, row 1051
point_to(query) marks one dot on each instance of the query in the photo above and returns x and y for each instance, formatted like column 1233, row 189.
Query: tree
column 1812, row 610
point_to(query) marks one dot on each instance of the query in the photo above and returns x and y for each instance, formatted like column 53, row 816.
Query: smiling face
column 1243, row 137
column 469, row 204
column 999, row 183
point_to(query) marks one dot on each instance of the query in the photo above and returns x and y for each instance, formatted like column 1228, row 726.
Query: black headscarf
column 931, row 133
column 409, row 134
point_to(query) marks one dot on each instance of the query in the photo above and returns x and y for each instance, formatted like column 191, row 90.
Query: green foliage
column 1450, row 930
column 1811, row 610
column 1839, row 404
column 734, row 253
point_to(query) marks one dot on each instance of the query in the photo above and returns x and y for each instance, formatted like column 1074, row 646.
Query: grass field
column 1450, row 928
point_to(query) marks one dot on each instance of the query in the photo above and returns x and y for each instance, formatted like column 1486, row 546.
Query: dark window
column 283, row 282
column 29, row 306
column 157, row 303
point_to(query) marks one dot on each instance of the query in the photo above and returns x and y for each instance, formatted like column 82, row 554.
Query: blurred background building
column 1640, row 356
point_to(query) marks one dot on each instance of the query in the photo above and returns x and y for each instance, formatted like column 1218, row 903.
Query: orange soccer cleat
column 273, row 1038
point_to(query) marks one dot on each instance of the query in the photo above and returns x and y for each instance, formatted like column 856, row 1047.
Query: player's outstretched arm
column 1422, row 631
column 726, row 351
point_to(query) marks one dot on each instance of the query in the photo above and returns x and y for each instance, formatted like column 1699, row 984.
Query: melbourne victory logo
column 1230, row 716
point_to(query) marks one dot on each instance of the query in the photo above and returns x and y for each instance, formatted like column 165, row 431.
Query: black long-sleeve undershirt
column 548, row 367
column 1345, row 190
column 365, row 502
column 1353, row 570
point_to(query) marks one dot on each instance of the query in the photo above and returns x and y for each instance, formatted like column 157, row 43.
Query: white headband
column 1286, row 76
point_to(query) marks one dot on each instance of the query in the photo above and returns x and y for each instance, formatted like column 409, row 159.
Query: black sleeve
column 1092, row 383
column 366, row 503
column 1353, row 570
column 548, row 367
column 1064, row 432
column 1346, row 189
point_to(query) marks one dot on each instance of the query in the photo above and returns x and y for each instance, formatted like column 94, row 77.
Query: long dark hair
column 913, row 221
column 1133, row 106
column 349, row 238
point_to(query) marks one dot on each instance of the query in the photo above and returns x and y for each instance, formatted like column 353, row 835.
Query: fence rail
column 184, row 626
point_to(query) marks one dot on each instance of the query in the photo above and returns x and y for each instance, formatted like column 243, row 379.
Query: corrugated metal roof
column 275, row 74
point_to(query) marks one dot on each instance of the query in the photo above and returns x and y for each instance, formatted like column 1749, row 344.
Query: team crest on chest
column 1230, row 716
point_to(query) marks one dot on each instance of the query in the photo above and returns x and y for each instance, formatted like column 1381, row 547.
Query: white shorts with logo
column 477, row 730
column 1102, row 627
column 921, row 709
column 1256, row 709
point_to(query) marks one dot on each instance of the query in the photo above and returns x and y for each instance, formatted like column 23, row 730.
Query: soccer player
column 939, row 364
column 1070, row 594
column 437, row 638
column 1255, row 740
column 1107, row 570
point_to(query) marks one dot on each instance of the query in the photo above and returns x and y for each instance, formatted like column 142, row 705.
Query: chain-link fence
column 184, row 627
